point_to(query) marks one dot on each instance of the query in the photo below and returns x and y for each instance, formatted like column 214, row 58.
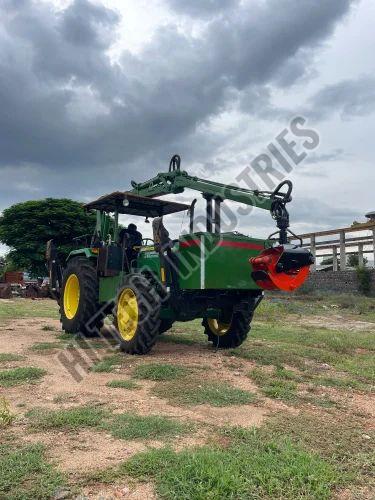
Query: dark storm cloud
column 201, row 8
column 67, row 109
column 74, row 123
column 349, row 98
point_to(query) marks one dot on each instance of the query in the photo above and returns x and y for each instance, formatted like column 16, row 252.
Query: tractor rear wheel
column 230, row 332
column 79, row 299
column 137, row 315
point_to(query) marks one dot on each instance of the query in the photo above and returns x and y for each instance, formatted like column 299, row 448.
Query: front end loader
column 149, row 283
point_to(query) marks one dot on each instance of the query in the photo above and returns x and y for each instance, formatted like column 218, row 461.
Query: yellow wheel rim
column 218, row 327
column 71, row 296
column 127, row 314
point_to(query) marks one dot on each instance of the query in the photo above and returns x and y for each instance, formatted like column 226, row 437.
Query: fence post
column 342, row 251
column 335, row 259
column 313, row 250
column 360, row 255
column 373, row 243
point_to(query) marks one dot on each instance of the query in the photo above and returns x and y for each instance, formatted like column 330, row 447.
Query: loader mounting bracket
column 280, row 213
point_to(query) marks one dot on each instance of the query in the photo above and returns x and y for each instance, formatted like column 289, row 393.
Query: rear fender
column 89, row 253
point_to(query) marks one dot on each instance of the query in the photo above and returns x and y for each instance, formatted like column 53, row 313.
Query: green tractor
column 149, row 283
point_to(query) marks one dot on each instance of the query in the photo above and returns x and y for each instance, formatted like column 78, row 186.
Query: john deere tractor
column 149, row 283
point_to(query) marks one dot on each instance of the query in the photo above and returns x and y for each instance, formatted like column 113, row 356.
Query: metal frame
column 175, row 181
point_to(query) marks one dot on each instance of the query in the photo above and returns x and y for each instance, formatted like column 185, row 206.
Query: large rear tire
column 79, row 299
column 137, row 313
column 231, row 331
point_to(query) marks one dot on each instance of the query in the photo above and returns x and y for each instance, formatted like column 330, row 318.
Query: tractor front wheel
column 231, row 332
column 137, row 315
column 79, row 299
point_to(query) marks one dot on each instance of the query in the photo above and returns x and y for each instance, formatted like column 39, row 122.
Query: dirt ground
column 88, row 450
column 59, row 389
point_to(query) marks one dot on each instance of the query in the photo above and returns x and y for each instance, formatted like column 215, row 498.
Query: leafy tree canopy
column 26, row 228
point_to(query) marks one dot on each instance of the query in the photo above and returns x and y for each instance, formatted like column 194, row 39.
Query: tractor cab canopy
column 133, row 204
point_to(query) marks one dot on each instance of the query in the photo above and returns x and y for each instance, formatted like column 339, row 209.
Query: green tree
column 353, row 260
column 26, row 228
column 328, row 261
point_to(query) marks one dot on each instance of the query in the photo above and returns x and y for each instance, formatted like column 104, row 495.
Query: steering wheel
column 145, row 242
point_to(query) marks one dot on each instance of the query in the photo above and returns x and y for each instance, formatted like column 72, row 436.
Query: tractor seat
column 161, row 235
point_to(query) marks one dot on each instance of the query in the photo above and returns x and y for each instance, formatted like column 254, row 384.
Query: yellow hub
column 218, row 327
column 127, row 314
column 71, row 296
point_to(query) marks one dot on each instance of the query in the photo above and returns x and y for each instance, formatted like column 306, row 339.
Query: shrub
column 364, row 280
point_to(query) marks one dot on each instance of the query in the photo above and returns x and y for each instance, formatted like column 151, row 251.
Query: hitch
column 279, row 211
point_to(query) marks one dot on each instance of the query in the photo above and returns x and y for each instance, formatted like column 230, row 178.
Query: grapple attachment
column 281, row 268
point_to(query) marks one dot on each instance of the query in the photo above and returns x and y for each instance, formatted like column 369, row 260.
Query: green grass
column 48, row 328
column 282, row 384
column 131, row 426
column 158, row 371
column 25, row 474
column 352, row 306
column 79, row 343
column 25, row 308
column 173, row 338
column 185, row 333
column 122, row 384
column 336, row 341
column 23, row 375
column 197, row 392
column 107, row 365
column 65, row 337
column 74, row 342
column 72, row 418
column 8, row 357
column 343, row 440
column 341, row 383
column 257, row 468
column 274, row 343
column 46, row 346
column 278, row 384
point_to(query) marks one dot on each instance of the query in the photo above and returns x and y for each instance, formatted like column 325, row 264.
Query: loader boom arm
column 176, row 181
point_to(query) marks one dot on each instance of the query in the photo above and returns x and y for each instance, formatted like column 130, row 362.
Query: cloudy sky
column 94, row 93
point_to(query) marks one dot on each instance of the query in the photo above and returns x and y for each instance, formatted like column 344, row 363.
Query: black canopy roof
column 135, row 205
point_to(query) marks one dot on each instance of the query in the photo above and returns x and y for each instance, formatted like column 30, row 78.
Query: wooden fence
column 342, row 246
